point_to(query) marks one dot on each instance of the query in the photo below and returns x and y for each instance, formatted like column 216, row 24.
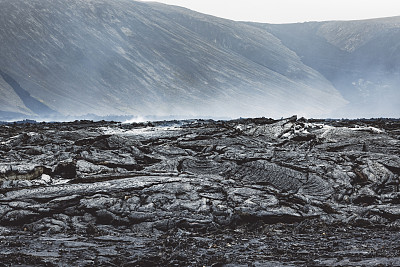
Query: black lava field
column 257, row 192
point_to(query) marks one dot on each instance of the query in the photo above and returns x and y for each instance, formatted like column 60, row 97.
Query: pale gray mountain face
column 62, row 58
column 360, row 58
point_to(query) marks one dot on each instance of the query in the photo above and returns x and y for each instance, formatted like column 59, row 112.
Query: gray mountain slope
column 360, row 58
column 352, row 35
column 9, row 100
column 127, row 57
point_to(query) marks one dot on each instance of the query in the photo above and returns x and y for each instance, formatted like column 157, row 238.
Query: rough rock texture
column 288, row 192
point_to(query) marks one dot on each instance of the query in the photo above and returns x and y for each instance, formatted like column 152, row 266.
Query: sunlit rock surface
column 288, row 192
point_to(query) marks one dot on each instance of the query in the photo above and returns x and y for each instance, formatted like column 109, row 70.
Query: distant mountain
column 360, row 58
column 74, row 57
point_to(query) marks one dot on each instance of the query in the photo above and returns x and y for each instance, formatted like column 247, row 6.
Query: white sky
column 288, row 11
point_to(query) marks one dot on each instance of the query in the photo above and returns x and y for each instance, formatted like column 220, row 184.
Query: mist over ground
column 123, row 59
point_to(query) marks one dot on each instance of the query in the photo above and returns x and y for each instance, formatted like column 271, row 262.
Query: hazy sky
column 286, row 11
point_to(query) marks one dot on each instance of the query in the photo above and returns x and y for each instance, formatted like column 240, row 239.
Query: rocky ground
column 258, row 192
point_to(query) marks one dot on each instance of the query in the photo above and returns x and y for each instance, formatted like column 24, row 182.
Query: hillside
column 125, row 57
column 360, row 58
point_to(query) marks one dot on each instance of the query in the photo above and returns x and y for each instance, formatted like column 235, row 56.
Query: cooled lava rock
column 200, row 192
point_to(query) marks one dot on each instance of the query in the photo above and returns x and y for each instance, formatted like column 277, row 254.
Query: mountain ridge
column 364, row 65
column 145, row 58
